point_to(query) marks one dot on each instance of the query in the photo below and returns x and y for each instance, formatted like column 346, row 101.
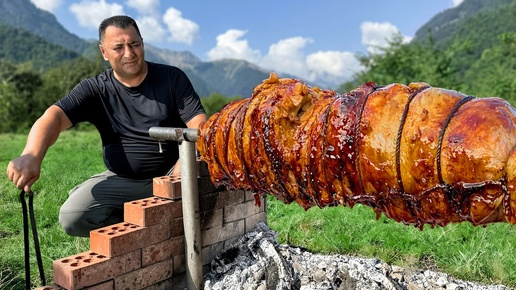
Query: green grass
column 481, row 254
column 74, row 157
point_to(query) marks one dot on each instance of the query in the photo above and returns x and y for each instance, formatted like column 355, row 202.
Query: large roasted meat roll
column 418, row 154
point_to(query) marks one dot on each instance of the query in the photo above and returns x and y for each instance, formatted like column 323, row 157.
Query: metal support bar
column 173, row 134
column 190, row 199
column 191, row 214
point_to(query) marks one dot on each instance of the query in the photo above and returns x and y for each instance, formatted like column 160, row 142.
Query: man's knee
column 80, row 223
column 72, row 224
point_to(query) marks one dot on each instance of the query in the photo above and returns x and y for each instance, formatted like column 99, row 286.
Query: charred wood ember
column 418, row 154
column 257, row 261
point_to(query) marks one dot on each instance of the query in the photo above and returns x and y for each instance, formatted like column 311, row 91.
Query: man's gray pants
column 99, row 202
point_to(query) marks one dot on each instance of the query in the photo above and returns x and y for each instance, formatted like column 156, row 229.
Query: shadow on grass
column 9, row 281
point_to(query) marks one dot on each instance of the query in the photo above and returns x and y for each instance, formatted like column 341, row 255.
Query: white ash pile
column 257, row 261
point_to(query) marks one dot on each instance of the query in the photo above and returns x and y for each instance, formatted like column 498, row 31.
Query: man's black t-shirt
column 123, row 116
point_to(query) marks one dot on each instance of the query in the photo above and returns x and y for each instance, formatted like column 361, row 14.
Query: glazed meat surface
column 418, row 154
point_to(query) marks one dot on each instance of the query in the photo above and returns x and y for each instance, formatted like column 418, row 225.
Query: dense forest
column 492, row 73
column 476, row 55
column 21, row 46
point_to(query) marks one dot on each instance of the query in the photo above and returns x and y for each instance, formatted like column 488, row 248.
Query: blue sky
column 315, row 40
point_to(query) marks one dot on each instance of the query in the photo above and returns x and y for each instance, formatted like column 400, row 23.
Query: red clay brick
column 151, row 211
column 225, row 232
column 234, row 196
column 102, row 286
column 259, row 199
column 89, row 268
column 145, row 276
column 148, row 248
column 205, row 185
column 179, row 264
column 212, row 218
column 108, row 285
column 252, row 221
column 216, row 200
column 118, row 239
column 158, row 233
column 162, row 251
column 202, row 168
column 167, row 187
column 177, row 227
column 242, row 210
column 167, row 284
column 178, row 282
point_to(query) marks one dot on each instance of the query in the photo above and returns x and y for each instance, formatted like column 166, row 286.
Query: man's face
column 123, row 48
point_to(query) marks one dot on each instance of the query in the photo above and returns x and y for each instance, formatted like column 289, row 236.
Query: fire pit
column 258, row 261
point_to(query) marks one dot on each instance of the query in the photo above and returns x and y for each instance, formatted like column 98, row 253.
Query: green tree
column 406, row 63
column 19, row 84
column 25, row 93
column 215, row 102
column 19, row 45
column 6, row 97
column 494, row 73
column 59, row 80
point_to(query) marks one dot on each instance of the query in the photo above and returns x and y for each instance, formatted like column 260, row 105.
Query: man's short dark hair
column 120, row 21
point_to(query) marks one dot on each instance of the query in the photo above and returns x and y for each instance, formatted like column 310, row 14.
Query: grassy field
column 484, row 254
column 74, row 157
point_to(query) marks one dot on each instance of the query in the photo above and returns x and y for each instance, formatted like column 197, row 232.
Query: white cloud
column 456, row 2
column 332, row 67
column 326, row 68
column 287, row 56
column 150, row 29
column 181, row 29
column 375, row 34
column 48, row 5
column 90, row 13
column 229, row 45
column 144, row 7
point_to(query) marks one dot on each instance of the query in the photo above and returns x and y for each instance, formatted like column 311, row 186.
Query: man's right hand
column 24, row 171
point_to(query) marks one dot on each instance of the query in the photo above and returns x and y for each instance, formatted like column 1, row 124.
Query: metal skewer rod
column 173, row 134
column 190, row 199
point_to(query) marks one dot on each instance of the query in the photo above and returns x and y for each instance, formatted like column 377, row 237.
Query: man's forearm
column 45, row 132
column 196, row 121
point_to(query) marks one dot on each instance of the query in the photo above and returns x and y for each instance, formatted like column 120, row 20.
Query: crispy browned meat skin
column 418, row 154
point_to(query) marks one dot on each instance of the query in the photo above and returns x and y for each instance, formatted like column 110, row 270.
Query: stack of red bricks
column 147, row 250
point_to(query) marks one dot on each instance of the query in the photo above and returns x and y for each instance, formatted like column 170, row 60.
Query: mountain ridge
column 442, row 26
column 24, row 15
column 230, row 77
